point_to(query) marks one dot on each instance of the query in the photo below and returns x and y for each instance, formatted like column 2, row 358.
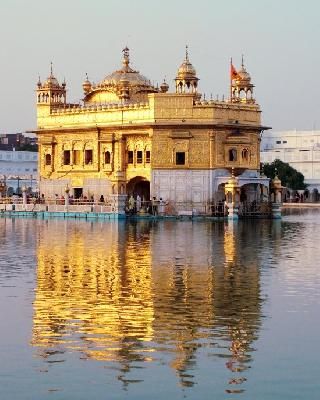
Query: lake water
column 160, row 310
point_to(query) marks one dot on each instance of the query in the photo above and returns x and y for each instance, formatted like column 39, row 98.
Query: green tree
column 27, row 147
column 289, row 176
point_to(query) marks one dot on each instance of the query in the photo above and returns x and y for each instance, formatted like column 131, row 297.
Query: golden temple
column 128, row 136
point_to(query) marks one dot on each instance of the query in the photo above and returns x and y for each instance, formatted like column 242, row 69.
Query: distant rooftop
column 18, row 142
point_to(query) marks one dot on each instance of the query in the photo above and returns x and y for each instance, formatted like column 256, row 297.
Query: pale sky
column 279, row 40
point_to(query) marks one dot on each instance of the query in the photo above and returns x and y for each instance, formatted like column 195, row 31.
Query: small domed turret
column 243, row 75
column 86, row 85
column 51, row 82
column 186, row 80
column 50, row 92
column 242, row 88
column 164, row 87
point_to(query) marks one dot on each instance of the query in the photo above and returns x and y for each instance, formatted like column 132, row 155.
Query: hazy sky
column 279, row 40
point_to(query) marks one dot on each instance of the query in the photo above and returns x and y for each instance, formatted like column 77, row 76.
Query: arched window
column 48, row 159
column 232, row 155
column 66, row 157
column 245, row 154
column 107, row 157
column 139, row 157
column 88, row 156
column 130, row 157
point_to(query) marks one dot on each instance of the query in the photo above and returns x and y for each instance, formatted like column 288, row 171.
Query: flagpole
column 231, row 80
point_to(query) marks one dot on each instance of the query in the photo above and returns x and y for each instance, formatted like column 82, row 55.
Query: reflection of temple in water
column 126, row 293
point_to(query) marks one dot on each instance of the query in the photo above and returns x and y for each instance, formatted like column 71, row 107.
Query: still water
column 160, row 310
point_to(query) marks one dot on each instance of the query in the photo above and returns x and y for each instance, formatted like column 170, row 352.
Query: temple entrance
column 77, row 193
column 139, row 186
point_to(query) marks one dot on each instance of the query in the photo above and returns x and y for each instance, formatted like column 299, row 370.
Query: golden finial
column 126, row 60
column 51, row 69
column 187, row 53
column 87, row 78
column 242, row 63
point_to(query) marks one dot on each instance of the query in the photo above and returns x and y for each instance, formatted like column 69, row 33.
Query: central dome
column 123, row 84
column 126, row 73
column 133, row 77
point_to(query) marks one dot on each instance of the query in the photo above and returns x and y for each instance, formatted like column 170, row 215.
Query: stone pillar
column 232, row 192
column 276, row 199
column 118, row 202
column 24, row 196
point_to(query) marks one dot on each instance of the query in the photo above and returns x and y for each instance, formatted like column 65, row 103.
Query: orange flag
column 233, row 72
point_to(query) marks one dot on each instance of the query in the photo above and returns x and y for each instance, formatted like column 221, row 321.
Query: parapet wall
column 159, row 108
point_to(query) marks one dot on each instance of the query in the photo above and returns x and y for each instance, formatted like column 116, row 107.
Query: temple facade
column 128, row 136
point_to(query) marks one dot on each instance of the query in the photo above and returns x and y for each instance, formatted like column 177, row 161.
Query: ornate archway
column 139, row 186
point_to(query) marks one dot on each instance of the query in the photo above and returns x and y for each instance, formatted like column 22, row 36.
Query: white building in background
column 18, row 168
column 300, row 149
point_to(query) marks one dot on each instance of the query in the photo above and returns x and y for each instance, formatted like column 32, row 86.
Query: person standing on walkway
column 131, row 204
column 154, row 206
column 138, row 203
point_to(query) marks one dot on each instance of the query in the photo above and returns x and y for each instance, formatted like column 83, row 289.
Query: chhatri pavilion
column 128, row 136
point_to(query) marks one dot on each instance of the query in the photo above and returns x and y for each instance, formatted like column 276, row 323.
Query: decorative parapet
column 76, row 115
column 78, row 108
column 160, row 108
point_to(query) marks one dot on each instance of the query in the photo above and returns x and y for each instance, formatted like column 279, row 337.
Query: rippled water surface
column 160, row 310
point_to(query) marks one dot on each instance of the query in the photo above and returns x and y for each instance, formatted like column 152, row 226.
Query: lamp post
column 24, row 196
column 2, row 188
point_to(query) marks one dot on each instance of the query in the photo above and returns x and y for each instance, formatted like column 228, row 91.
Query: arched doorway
column 139, row 186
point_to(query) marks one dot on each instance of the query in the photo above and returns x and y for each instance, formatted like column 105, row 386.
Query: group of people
column 136, row 205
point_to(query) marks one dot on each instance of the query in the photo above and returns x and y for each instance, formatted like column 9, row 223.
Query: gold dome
column 86, row 85
column 164, row 87
column 244, row 75
column 123, row 84
column 186, row 69
column 51, row 81
column 126, row 73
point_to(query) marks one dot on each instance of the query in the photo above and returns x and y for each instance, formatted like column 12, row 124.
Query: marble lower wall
column 197, row 190
column 91, row 187
column 187, row 189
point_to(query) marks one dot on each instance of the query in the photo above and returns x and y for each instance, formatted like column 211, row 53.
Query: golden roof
column 126, row 74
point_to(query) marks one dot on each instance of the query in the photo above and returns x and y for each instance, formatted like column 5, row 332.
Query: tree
column 27, row 147
column 289, row 176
